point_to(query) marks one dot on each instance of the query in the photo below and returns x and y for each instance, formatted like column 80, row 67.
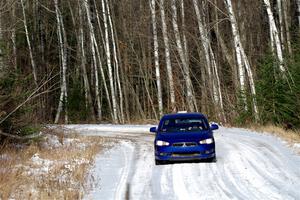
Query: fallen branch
column 31, row 96
column 27, row 137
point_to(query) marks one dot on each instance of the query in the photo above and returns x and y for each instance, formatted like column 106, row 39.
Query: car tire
column 161, row 162
column 158, row 162
column 212, row 160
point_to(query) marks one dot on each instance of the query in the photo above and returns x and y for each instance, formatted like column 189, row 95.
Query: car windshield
column 184, row 125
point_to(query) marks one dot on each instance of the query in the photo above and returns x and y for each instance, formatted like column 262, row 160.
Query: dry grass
column 48, row 170
column 290, row 136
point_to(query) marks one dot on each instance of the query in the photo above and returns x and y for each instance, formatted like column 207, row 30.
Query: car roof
column 184, row 115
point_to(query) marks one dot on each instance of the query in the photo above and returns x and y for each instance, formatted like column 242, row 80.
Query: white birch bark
column 281, row 25
column 272, row 42
column 109, row 65
column 29, row 44
column 298, row 9
column 167, row 55
column 87, row 90
column 182, row 55
column 13, row 38
column 274, row 32
column 252, row 84
column 286, row 5
column 185, row 45
column 92, row 36
column 116, row 62
column 62, row 48
column 237, row 46
column 242, row 61
column 64, row 65
column 205, row 44
column 156, row 57
column 211, row 65
column 1, row 51
column 100, row 63
column 218, row 87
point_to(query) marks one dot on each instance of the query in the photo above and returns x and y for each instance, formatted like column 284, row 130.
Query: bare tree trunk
column 87, row 90
column 116, row 63
column 213, row 75
column 237, row 47
column 272, row 42
column 156, row 57
column 298, row 9
column 1, row 50
column 100, row 63
column 13, row 38
column 185, row 44
column 63, row 56
column 167, row 55
column 29, row 44
column 218, row 87
column 182, row 55
column 242, row 61
column 274, row 32
column 93, row 44
column 286, row 5
column 109, row 65
column 281, row 25
column 229, row 57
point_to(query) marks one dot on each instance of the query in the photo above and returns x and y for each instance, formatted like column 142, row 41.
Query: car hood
column 184, row 136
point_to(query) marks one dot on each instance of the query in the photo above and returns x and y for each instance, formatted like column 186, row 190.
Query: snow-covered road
column 249, row 166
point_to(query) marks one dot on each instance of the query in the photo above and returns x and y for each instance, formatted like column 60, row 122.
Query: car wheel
column 161, row 162
column 158, row 162
column 212, row 160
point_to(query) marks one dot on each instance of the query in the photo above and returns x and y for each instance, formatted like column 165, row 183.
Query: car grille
column 185, row 144
column 191, row 154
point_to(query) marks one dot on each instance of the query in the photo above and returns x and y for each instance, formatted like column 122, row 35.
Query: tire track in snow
column 122, row 186
column 249, row 166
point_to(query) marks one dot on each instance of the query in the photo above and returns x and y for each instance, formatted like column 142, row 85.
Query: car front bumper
column 200, row 152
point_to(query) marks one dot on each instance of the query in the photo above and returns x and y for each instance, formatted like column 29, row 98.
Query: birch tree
column 281, row 25
column 298, row 9
column 100, row 62
column 181, row 51
column 156, row 56
column 242, row 61
column 275, row 35
column 109, row 65
column 1, row 46
column 167, row 55
column 286, row 5
column 93, row 44
column 237, row 47
column 87, row 89
column 29, row 44
column 211, row 66
column 116, row 61
column 61, row 34
column 13, row 37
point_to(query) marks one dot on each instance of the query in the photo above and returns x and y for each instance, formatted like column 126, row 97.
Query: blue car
column 183, row 137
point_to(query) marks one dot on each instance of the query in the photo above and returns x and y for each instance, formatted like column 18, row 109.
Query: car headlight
column 207, row 141
column 162, row 143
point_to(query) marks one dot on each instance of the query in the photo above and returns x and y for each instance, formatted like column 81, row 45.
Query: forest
column 129, row 61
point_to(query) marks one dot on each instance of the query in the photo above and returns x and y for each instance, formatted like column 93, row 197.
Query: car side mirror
column 153, row 130
column 214, row 127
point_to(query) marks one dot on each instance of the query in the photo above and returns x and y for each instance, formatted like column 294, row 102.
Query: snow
column 41, row 166
column 249, row 166
column 109, row 129
column 5, row 157
column 51, row 142
column 297, row 145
